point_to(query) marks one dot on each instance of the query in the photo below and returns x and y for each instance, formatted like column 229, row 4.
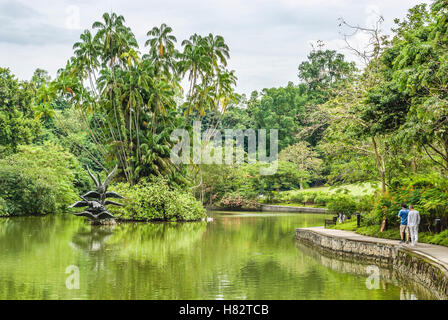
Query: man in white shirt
column 413, row 222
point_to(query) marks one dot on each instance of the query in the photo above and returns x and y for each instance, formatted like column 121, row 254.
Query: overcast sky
column 267, row 38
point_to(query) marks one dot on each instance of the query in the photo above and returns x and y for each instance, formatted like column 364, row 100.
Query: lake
column 236, row 256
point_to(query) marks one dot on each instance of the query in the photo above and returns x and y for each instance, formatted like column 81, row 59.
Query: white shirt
column 413, row 218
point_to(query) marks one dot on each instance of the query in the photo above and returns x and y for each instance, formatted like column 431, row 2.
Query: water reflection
column 236, row 256
column 92, row 241
column 378, row 276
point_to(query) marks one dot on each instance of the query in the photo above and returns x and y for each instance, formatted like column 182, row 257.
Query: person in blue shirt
column 403, row 214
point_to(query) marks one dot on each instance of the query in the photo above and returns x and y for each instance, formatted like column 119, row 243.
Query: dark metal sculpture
column 96, row 200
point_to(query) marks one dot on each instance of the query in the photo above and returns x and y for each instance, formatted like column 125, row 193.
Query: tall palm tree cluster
column 132, row 101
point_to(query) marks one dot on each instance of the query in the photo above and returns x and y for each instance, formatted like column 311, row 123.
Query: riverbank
column 277, row 208
column 273, row 208
column 425, row 263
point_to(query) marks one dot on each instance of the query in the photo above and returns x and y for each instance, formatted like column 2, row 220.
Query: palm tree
column 135, row 98
column 115, row 38
column 197, row 63
column 162, row 51
column 217, row 49
column 86, row 53
column 161, row 41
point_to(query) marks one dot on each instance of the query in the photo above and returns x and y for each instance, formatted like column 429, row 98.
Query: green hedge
column 156, row 200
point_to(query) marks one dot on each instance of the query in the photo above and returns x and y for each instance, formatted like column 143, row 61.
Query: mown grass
column 353, row 189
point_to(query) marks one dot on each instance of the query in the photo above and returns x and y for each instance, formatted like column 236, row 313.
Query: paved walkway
column 434, row 252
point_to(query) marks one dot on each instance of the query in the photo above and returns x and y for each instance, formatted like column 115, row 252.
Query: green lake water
column 236, row 256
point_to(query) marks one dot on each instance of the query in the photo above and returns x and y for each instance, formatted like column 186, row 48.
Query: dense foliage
column 156, row 200
column 39, row 180
column 17, row 125
column 427, row 193
column 111, row 104
column 131, row 101
column 384, row 124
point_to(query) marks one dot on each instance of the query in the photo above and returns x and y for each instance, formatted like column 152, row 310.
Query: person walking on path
column 413, row 222
column 403, row 214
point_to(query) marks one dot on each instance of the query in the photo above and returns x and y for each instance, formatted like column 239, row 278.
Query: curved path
column 436, row 253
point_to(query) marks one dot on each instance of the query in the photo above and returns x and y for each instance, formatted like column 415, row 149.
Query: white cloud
column 267, row 38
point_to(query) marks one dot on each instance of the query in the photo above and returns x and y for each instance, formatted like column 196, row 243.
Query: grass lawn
column 357, row 189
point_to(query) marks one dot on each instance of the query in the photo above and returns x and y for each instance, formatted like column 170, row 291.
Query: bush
column 3, row 208
column 237, row 201
column 184, row 207
column 364, row 204
column 309, row 197
column 342, row 204
column 439, row 239
column 428, row 194
column 321, row 198
column 156, row 200
column 38, row 180
column 297, row 197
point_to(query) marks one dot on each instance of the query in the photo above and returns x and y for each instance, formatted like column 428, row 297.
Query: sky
column 267, row 38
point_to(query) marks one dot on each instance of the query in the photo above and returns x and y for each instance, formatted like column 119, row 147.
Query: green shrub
column 38, row 180
column 309, row 197
column 364, row 204
column 183, row 207
column 24, row 194
column 235, row 200
column 3, row 208
column 342, row 204
column 439, row 239
column 280, row 197
column 156, row 200
column 297, row 197
column 428, row 194
column 321, row 198
column 274, row 197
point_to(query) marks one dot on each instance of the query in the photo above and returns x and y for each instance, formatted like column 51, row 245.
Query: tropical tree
column 161, row 48
column 324, row 70
column 17, row 125
column 418, row 63
column 130, row 102
column 305, row 159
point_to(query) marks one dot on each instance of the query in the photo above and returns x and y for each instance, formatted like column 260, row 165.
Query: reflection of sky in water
column 243, row 255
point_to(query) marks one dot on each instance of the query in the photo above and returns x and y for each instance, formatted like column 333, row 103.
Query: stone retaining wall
column 423, row 269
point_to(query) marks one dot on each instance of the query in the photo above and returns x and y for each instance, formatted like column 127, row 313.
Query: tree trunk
column 414, row 165
column 381, row 166
column 202, row 190
column 445, row 145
